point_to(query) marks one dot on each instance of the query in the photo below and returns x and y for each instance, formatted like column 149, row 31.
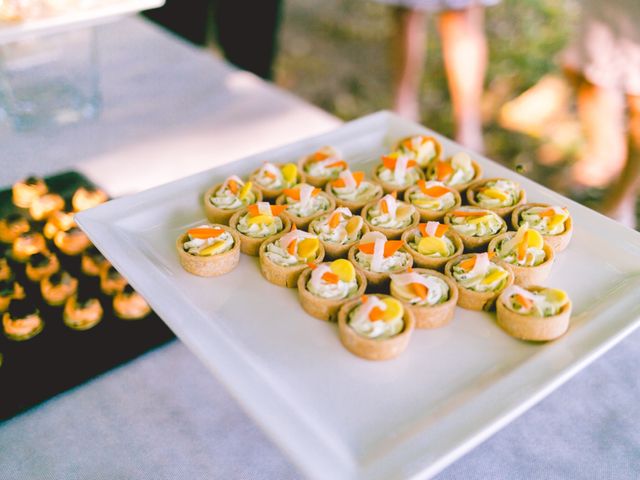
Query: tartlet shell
column 470, row 299
column 437, row 146
column 371, row 349
column 504, row 212
column 463, row 186
column 474, row 244
column 537, row 329
column 221, row 215
column 281, row 275
column 558, row 242
column 432, row 316
column 526, row 276
column 429, row 215
column 432, row 263
column 325, row 308
column 376, row 282
column 303, row 222
column 316, row 181
column 390, row 233
column 214, row 265
column 388, row 187
column 355, row 207
column 333, row 251
column 251, row 245
column 269, row 194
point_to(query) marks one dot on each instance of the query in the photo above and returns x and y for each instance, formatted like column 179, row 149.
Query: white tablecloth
column 171, row 110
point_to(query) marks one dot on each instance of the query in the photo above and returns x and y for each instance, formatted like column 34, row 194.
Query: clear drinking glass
column 50, row 79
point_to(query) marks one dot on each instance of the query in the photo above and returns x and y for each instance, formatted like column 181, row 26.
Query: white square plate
column 339, row 416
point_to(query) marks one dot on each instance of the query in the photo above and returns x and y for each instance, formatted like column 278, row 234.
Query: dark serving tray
column 59, row 358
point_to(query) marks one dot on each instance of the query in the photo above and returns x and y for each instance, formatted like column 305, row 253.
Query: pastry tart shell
column 222, row 215
column 504, row 212
column 427, row 215
column 371, row 349
column 435, row 316
column 325, row 308
column 470, row 299
column 474, row 244
column 432, row 263
column 390, row 233
column 270, row 194
column 303, row 222
column 558, row 242
column 389, row 187
column 251, row 245
column 212, row 265
column 463, row 186
column 355, row 207
column 526, row 276
column 281, row 275
column 376, row 281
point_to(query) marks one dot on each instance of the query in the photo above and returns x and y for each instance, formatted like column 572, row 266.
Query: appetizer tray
column 59, row 358
column 339, row 416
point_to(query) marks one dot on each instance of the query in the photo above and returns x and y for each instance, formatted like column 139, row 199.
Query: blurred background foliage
column 334, row 53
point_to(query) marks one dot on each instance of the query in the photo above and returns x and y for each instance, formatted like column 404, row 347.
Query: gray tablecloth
column 163, row 416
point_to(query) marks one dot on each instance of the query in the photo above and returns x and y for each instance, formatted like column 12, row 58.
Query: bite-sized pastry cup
column 72, row 242
column 281, row 275
column 558, row 242
column 56, row 295
column 333, row 251
column 355, row 207
column 470, row 299
column 44, row 206
column 25, row 191
column 474, row 244
column 504, row 212
column 389, row 187
column 462, row 186
column 251, row 245
column 129, row 305
column 325, row 308
column 436, row 144
column 81, row 317
column 222, row 215
column 427, row 215
column 376, row 281
column 390, row 233
column 532, row 328
column 526, row 276
column 21, row 329
column 435, row 316
column 270, row 194
column 12, row 226
column 26, row 245
column 212, row 265
column 303, row 222
column 373, row 349
column 432, row 263
column 37, row 273
column 314, row 180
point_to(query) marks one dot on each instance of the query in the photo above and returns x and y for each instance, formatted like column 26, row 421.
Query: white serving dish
column 86, row 17
column 336, row 415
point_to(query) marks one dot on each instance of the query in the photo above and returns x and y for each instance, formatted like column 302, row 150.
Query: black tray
column 59, row 358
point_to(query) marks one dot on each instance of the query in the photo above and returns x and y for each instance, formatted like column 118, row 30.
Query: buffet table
column 171, row 110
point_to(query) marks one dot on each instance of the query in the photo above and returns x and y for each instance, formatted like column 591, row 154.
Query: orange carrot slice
column 547, row 213
column 277, row 209
column 205, row 232
column 420, row 290
column 319, row 156
column 269, row 174
column 233, row 186
column 391, row 247
column 330, row 277
column 339, row 163
column 441, row 230
column 524, row 301
column 338, row 183
column 469, row 263
column 364, row 299
column 334, row 220
column 434, row 191
column 443, row 170
column 367, row 248
column 358, row 177
column 375, row 314
column 383, row 206
column 312, row 265
column 469, row 213
column 522, row 248
column 253, row 210
column 389, row 162
column 293, row 193
column 315, row 192
column 291, row 248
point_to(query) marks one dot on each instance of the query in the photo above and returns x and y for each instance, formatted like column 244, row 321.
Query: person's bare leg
column 408, row 53
column 601, row 113
column 464, row 48
column 620, row 203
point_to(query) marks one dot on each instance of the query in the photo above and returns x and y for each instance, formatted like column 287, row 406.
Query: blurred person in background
column 245, row 30
column 465, row 53
column 604, row 62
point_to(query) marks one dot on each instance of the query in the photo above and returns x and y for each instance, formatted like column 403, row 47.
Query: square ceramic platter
column 100, row 11
column 336, row 415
